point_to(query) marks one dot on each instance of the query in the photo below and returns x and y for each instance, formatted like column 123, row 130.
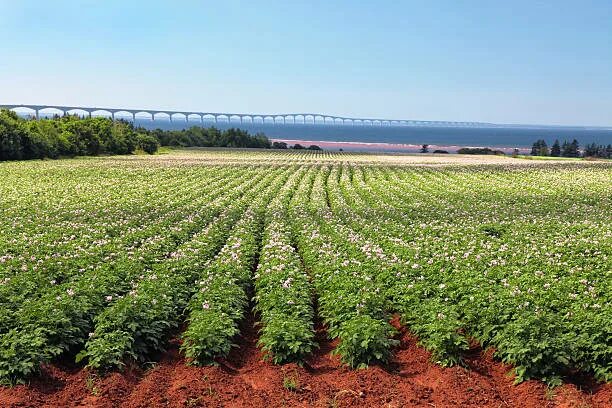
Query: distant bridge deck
column 225, row 117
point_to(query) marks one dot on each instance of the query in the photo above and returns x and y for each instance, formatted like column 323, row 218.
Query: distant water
column 507, row 137
column 504, row 137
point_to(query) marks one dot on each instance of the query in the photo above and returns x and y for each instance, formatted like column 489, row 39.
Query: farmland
column 210, row 261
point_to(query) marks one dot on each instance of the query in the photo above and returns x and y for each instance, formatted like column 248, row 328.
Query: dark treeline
column 197, row 136
column 23, row 139
column 425, row 149
column 479, row 150
column 67, row 136
column 209, row 137
column 571, row 149
column 297, row 146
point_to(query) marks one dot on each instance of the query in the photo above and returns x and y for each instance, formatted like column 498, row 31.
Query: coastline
column 386, row 147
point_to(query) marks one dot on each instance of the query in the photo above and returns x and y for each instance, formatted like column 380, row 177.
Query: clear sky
column 518, row 61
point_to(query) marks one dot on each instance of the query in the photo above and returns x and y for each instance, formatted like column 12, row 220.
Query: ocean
column 402, row 138
column 398, row 138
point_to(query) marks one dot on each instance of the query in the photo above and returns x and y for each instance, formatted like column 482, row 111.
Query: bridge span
column 220, row 117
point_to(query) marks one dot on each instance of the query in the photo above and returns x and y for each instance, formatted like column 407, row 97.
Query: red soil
column 243, row 380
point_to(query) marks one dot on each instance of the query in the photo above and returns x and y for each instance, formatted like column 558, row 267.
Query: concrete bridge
column 218, row 117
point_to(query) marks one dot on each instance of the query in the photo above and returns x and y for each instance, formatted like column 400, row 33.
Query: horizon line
column 273, row 116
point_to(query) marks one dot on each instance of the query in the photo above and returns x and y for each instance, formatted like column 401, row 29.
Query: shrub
column 147, row 143
column 12, row 133
column 279, row 145
column 479, row 150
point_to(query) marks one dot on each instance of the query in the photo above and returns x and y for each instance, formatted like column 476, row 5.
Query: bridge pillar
column 37, row 115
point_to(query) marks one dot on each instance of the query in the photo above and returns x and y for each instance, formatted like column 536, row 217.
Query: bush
column 123, row 138
column 147, row 143
column 279, row 145
column 479, row 150
column 12, row 133
column 45, row 140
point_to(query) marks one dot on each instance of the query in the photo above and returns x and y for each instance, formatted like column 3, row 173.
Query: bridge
column 218, row 117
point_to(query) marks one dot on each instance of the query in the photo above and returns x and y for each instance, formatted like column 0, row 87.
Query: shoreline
column 388, row 147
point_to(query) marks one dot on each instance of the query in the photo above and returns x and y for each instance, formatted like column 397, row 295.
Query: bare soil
column 244, row 380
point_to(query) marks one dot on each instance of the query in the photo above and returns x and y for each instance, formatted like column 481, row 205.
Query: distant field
column 111, row 261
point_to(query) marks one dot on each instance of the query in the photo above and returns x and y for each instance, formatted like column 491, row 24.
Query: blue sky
column 547, row 62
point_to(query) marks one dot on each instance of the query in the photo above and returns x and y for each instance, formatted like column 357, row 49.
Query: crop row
column 137, row 324
column 61, row 318
column 489, row 281
column 517, row 258
column 37, row 276
column 283, row 292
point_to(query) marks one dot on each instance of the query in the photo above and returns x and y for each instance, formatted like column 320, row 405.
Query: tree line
column 197, row 136
column 464, row 150
column 297, row 146
column 24, row 139
column 70, row 135
column 570, row 149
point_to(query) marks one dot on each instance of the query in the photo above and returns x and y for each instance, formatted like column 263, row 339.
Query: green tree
column 570, row 149
column 555, row 151
column 12, row 135
column 279, row 145
column 591, row 150
column 539, row 148
column 543, row 148
column 564, row 149
column 574, row 149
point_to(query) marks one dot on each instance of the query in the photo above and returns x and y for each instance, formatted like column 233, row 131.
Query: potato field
column 106, row 264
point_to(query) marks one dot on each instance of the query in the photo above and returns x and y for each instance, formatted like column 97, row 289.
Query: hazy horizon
column 24, row 112
column 518, row 64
